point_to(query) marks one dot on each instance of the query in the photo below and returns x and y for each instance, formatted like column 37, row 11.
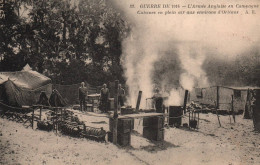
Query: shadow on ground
column 154, row 146
column 158, row 146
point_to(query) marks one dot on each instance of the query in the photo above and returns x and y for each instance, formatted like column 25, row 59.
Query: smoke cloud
column 186, row 40
column 175, row 98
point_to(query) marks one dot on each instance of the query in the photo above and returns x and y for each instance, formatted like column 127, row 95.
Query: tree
column 70, row 42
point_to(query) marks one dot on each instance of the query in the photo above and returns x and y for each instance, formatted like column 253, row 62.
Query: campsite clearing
column 231, row 144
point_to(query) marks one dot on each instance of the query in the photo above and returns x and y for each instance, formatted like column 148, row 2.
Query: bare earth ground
column 234, row 143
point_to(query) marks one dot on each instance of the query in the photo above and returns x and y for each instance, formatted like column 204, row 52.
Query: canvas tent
column 23, row 87
column 221, row 96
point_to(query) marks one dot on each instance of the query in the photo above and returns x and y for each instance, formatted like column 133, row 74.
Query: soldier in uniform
column 121, row 95
column 158, row 101
column 43, row 100
column 56, row 99
column 104, row 96
column 83, row 92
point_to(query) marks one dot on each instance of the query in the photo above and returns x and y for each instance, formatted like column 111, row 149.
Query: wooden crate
column 153, row 134
column 123, row 139
column 156, row 122
column 123, row 125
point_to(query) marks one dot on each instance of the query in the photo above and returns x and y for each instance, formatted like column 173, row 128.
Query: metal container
column 123, row 125
column 153, row 134
column 123, row 139
column 175, row 115
column 156, row 122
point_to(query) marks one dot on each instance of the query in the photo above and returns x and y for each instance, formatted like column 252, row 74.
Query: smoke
column 139, row 56
column 192, row 58
column 188, row 39
column 175, row 98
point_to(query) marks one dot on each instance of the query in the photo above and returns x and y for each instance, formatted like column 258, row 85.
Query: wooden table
column 141, row 115
column 151, row 131
column 94, row 100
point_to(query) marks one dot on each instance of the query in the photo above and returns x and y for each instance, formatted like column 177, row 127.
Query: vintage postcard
column 154, row 82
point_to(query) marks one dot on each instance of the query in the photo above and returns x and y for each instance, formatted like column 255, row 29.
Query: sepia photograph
column 129, row 82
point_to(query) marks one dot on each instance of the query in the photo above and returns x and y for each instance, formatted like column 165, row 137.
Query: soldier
column 43, row 100
column 83, row 92
column 56, row 99
column 104, row 96
column 121, row 95
column 158, row 101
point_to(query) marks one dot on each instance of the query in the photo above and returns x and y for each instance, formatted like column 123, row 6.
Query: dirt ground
column 231, row 144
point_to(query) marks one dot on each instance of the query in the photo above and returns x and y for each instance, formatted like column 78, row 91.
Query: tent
column 221, row 96
column 23, row 87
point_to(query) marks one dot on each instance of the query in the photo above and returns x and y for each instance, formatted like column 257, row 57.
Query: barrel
column 175, row 116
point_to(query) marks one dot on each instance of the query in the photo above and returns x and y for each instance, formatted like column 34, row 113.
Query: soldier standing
column 83, row 92
column 158, row 101
column 121, row 95
column 104, row 96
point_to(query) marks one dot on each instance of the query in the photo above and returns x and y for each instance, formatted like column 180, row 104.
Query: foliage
column 244, row 70
column 68, row 41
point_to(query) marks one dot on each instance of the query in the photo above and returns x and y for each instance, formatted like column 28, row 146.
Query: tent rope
column 11, row 107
